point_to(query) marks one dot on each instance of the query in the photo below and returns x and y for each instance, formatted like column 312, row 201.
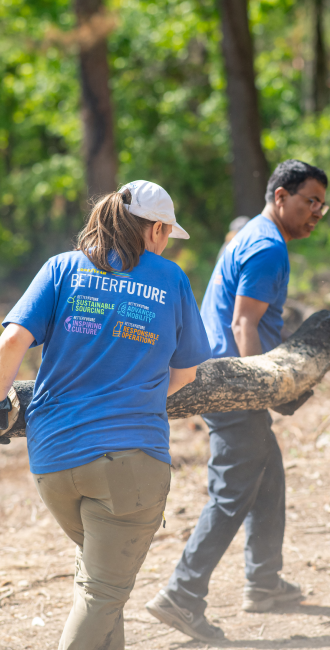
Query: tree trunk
column 320, row 77
column 96, row 106
column 259, row 382
column 250, row 166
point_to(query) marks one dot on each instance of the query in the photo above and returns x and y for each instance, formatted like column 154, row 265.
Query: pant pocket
column 136, row 482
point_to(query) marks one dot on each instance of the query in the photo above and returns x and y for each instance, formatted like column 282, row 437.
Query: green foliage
column 168, row 87
column 284, row 37
column 40, row 134
column 169, row 95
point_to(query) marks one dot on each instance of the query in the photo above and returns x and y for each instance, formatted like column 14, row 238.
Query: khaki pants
column 111, row 508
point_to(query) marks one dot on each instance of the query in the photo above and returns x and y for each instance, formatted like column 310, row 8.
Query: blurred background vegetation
column 168, row 98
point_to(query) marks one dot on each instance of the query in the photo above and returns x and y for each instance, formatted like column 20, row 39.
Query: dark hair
column 290, row 174
column 111, row 226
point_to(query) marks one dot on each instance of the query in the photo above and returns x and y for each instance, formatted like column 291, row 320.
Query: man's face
column 297, row 213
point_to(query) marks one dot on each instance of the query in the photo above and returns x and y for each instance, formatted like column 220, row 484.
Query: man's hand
column 290, row 407
column 246, row 317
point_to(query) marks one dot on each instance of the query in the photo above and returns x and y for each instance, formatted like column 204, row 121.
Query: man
column 242, row 311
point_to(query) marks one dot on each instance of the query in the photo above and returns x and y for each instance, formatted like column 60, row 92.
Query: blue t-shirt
column 109, row 339
column 255, row 264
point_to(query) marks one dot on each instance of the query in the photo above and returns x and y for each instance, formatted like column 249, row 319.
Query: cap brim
column 178, row 232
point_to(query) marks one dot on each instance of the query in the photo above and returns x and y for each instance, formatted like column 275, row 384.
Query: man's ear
column 280, row 194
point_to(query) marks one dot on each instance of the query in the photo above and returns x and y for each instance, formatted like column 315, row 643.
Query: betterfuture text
column 118, row 286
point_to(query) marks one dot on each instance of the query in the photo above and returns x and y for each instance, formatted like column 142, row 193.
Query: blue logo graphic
column 122, row 309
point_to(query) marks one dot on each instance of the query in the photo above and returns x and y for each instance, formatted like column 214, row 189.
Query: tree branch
column 259, row 382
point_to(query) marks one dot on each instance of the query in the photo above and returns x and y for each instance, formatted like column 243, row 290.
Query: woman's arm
column 14, row 342
column 180, row 377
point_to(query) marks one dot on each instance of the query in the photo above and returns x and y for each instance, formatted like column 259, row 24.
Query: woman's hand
column 180, row 378
column 14, row 342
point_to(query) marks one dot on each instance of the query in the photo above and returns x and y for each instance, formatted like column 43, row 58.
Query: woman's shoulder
column 160, row 264
column 67, row 258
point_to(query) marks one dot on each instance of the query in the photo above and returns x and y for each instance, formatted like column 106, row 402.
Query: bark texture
column 96, row 105
column 260, row 382
column 250, row 166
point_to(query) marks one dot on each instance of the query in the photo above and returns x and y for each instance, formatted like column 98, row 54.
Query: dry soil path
column 37, row 560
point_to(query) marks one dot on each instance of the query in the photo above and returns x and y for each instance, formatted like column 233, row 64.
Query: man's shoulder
column 260, row 234
column 261, row 229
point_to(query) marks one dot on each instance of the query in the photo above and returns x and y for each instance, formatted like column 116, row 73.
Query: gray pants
column 246, row 483
column 111, row 508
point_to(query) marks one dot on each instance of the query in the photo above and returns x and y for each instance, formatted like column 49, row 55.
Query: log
column 266, row 381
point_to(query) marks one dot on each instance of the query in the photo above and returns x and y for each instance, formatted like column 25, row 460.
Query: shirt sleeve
column 192, row 343
column 261, row 276
column 36, row 307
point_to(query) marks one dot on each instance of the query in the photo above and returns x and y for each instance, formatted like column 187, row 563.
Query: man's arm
column 246, row 317
column 14, row 342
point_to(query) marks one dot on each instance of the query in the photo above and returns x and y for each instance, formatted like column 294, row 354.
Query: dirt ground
column 37, row 560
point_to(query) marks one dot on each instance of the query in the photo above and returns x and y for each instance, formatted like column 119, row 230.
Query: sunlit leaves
column 40, row 129
column 170, row 111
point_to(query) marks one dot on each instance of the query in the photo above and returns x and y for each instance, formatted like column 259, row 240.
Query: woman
column 121, row 331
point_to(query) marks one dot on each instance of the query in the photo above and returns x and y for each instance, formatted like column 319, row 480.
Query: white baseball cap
column 150, row 201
